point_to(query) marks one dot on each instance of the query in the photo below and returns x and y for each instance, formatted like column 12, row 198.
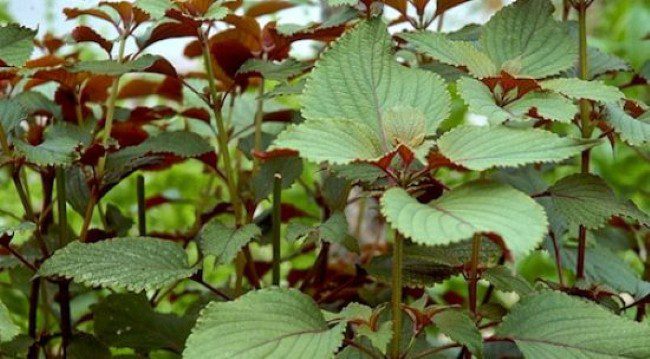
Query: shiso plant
column 267, row 205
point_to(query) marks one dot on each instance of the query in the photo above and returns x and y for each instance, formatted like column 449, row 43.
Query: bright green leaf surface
column 268, row 323
column 472, row 208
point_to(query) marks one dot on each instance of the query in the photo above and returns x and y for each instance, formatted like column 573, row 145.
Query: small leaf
column 267, row 323
column 8, row 329
column 333, row 141
column 17, row 228
column 357, row 79
column 587, row 200
column 215, row 12
column 273, row 71
column 87, row 34
column 555, row 325
column 379, row 338
column 601, row 63
column 290, row 167
column 632, row 130
column 155, row 8
column 334, row 230
column 481, row 101
column 16, row 44
column 11, row 113
column 461, row 329
column 132, row 263
column 57, row 148
column 503, row 279
column 524, row 40
column 224, row 243
column 480, row 148
column 444, row 5
column 604, row 267
column 547, row 105
column 115, row 68
column 580, row 89
column 456, row 53
column 127, row 319
column 463, row 211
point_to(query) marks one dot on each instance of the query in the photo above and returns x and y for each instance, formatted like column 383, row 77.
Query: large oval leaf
column 555, row 325
column 268, row 323
column 360, row 103
column 480, row 148
column 358, row 79
column 472, row 208
column 524, row 40
column 133, row 263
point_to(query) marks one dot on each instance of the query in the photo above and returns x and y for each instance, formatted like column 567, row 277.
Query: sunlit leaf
column 580, row 89
column 267, row 323
column 480, row 148
column 476, row 207
column 524, row 40
column 456, row 53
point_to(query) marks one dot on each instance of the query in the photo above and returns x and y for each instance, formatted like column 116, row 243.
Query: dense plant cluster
column 341, row 205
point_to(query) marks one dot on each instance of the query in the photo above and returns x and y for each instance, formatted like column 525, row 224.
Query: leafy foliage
column 16, row 44
column 460, row 328
column 272, row 322
column 125, row 320
column 480, row 148
column 461, row 213
column 150, row 264
column 524, row 40
column 588, row 200
column 216, row 239
column 539, row 326
column 369, row 110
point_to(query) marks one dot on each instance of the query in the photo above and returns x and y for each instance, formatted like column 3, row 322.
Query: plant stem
column 222, row 141
column 259, row 117
column 88, row 216
column 586, row 128
column 473, row 274
column 277, row 222
column 396, row 294
column 222, row 135
column 34, row 290
column 64, row 289
column 110, row 107
column 142, row 219
column 558, row 259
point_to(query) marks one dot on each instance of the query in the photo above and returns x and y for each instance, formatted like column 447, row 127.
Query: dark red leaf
column 86, row 34
column 268, row 7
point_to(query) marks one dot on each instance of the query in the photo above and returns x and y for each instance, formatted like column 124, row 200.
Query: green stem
column 259, row 117
column 277, row 222
column 222, row 141
column 396, row 294
column 110, row 108
column 586, row 128
column 222, row 135
column 142, row 219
